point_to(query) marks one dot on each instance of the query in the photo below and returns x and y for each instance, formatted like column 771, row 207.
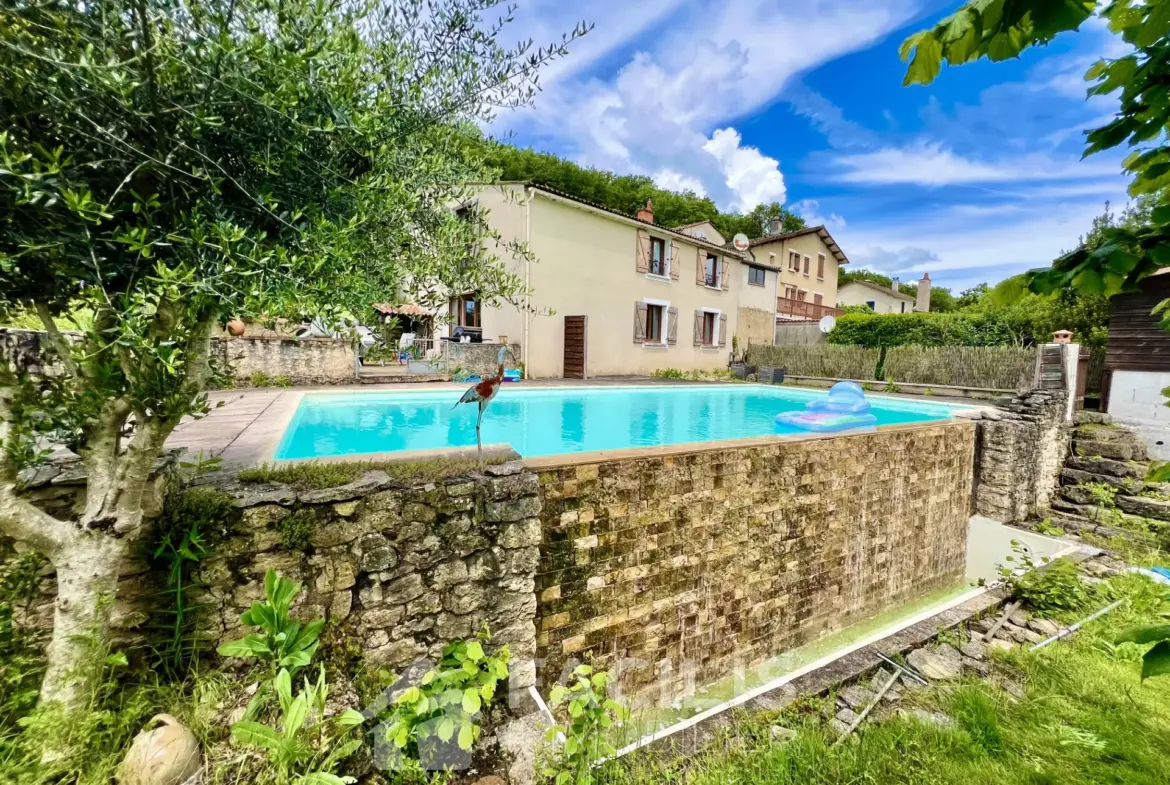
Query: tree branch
column 60, row 346
column 24, row 521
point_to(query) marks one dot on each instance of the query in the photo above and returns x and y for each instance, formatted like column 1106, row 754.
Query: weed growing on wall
column 590, row 714
column 1056, row 587
column 448, row 700
column 668, row 373
column 282, row 642
column 296, row 529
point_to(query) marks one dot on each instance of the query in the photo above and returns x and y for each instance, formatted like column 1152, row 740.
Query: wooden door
column 576, row 346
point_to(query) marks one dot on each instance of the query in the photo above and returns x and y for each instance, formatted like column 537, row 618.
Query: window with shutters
column 789, row 292
column 654, row 332
column 820, row 267
column 657, row 256
column 807, row 262
column 793, row 262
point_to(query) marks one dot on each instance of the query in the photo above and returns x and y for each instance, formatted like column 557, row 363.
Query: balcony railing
column 799, row 309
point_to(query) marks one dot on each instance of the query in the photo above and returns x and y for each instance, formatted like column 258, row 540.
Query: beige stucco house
column 883, row 299
column 807, row 262
column 652, row 297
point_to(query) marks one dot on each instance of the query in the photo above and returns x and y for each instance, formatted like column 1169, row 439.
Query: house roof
column 826, row 238
column 626, row 218
column 406, row 309
column 877, row 287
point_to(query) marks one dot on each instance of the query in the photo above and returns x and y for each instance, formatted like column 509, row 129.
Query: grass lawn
column 1085, row 717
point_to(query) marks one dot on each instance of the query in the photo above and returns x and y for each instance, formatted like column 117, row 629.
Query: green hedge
column 833, row 362
column 996, row 367
column 928, row 329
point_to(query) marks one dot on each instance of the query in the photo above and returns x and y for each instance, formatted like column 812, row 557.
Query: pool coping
column 259, row 442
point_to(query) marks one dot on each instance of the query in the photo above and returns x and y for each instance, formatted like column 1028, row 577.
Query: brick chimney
column 773, row 227
column 894, row 285
column 646, row 214
column 922, row 300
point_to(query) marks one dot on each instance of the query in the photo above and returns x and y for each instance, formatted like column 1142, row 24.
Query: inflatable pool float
column 844, row 408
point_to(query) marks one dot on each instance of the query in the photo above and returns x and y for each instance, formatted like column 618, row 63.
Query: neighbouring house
column 807, row 262
column 1137, row 364
column 885, row 299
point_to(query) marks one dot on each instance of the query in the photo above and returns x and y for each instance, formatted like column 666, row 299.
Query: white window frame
column 665, row 259
column 662, row 327
column 715, row 332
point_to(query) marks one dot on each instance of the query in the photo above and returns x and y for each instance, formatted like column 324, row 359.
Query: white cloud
column 751, row 175
column 810, row 211
column 699, row 65
column 677, row 181
column 933, row 164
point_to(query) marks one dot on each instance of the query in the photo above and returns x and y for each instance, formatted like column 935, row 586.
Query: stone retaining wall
column 479, row 358
column 303, row 361
column 681, row 568
column 1019, row 452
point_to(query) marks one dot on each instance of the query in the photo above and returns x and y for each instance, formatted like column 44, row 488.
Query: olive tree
column 166, row 165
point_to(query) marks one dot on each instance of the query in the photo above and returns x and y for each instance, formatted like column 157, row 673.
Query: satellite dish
column 741, row 242
column 827, row 323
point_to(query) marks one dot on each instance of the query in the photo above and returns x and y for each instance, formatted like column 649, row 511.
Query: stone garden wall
column 303, row 361
column 479, row 358
column 680, row 568
column 1020, row 450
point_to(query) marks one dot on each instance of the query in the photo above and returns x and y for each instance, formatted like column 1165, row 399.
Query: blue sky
column 974, row 178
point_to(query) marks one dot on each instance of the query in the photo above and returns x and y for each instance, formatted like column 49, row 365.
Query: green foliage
column 296, row 529
column 668, row 373
column 995, row 29
column 589, row 715
column 448, row 699
column 282, row 641
column 303, row 748
column 314, row 476
column 627, row 194
column 820, row 360
column 282, row 381
column 191, row 522
column 21, row 662
column 926, row 329
column 1055, row 587
column 259, row 379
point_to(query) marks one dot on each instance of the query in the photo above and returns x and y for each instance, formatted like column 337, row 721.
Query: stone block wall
column 304, row 361
column 1020, row 451
column 681, row 568
column 479, row 358
column 404, row 570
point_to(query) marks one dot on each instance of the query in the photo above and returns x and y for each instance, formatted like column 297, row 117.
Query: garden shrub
column 929, row 329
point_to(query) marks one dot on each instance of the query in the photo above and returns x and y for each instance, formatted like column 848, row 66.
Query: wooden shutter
column 724, row 277
column 806, row 263
column 820, row 265
column 639, row 322
column 818, row 299
column 698, row 328
column 642, row 258
column 674, row 261
column 722, row 329
column 700, row 266
column 672, row 325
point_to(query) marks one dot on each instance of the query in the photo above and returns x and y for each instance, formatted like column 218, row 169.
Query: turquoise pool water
column 554, row 421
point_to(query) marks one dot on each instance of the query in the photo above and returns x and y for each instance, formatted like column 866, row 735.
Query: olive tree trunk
column 87, row 553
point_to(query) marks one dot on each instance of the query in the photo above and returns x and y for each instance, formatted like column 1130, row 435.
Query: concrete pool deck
column 245, row 426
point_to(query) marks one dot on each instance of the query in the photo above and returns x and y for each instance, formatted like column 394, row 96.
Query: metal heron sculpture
column 482, row 394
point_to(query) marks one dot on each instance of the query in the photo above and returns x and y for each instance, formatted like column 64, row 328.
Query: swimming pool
column 556, row 420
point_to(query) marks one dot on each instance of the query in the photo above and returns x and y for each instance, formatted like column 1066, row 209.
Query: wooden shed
column 1137, row 359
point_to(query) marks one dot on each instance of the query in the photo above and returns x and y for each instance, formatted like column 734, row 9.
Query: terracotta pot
column 236, row 327
column 167, row 755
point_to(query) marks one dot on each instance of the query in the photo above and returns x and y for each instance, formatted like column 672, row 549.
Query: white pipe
column 1070, row 630
column 530, row 195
